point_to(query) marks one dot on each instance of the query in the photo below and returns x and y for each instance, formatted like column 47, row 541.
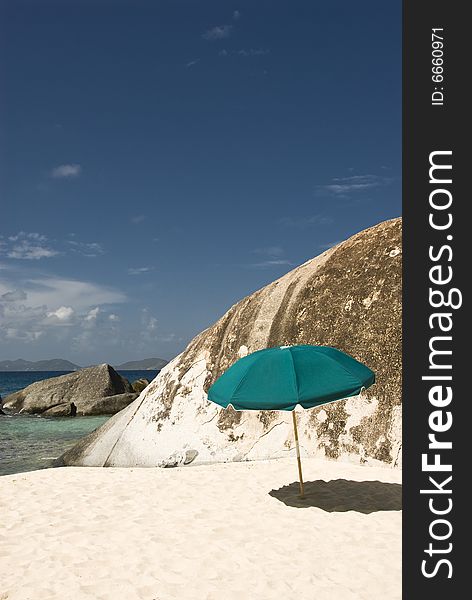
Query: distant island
column 59, row 364
column 147, row 364
column 53, row 364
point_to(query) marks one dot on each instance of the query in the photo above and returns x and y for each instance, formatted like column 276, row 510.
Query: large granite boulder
column 96, row 390
column 348, row 297
column 108, row 405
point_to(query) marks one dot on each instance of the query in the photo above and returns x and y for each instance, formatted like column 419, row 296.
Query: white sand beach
column 214, row 532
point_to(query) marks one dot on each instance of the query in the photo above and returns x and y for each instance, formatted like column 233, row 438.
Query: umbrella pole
column 302, row 490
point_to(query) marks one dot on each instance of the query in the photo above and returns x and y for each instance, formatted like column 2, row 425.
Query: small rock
column 139, row 385
column 179, row 459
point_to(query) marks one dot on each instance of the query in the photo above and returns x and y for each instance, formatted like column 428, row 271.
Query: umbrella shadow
column 342, row 495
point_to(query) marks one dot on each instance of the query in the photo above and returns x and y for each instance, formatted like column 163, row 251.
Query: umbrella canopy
column 282, row 377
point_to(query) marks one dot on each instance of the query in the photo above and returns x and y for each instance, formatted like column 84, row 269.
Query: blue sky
column 162, row 160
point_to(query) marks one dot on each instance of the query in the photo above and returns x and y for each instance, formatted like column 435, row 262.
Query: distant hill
column 58, row 364
column 147, row 364
column 54, row 364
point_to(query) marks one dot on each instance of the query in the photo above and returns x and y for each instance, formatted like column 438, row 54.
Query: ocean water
column 29, row 442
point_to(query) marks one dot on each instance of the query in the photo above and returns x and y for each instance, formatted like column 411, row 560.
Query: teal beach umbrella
column 286, row 376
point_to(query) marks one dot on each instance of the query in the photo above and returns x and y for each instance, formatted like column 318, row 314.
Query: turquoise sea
column 29, row 442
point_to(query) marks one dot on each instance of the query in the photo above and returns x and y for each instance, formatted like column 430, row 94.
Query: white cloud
column 149, row 323
column 88, row 249
column 46, row 305
column 63, row 313
column 34, row 246
column 139, row 270
column 236, row 15
column 28, row 246
column 92, row 315
column 27, row 251
column 97, row 328
column 54, row 292
column 19, row 322
column 38, row 237
column 192, row 63
column 14, row 296
column 66, row 171
column 343, row 186
column 23, row 336
column 217, row 33
column 266, row 264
